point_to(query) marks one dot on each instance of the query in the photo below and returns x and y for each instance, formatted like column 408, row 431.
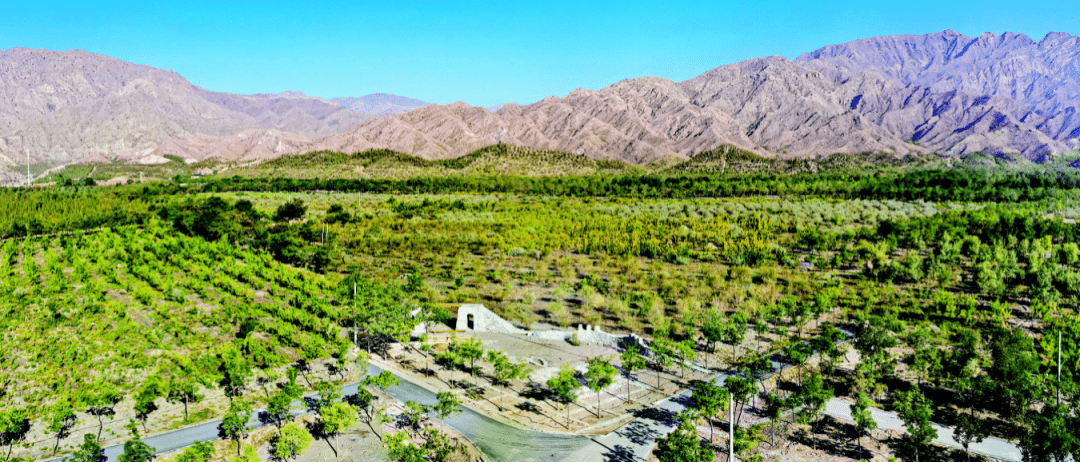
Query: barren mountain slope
column 380, row 103
column 291, row 111
column 636, row 120
column 1043, row 77
column 246, row 146
column 908, row 94
column 65, row 106
column 793, row 109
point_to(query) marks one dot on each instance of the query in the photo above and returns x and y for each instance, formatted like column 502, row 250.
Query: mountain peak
column 1056, row 38
column 380, row 103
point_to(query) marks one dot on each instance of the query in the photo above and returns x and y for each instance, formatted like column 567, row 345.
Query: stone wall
column 483, row 320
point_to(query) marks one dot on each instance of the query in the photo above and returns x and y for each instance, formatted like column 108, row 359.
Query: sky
column 483, row 53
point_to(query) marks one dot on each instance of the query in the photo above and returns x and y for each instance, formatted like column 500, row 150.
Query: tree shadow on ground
column 663, row 416
column 619, row 454
column 311, row 403
column 528, row 406
column 684, row 400
column 832, row 436
column 901, row 448
column 639, row 433
column 536, row 392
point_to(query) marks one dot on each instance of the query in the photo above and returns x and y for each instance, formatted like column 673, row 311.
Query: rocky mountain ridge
column 74, row 105
column 942, row 93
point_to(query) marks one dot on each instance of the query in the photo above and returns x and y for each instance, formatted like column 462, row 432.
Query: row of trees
column 933, row 185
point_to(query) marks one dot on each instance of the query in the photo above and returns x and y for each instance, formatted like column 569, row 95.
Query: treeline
column 282, row 234
column 965, row 185
column 33, row 212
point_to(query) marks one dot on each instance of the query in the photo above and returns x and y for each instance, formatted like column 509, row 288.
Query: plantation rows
column 110, row 306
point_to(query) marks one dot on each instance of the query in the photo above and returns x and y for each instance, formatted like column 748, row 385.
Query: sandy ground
column 523, row 405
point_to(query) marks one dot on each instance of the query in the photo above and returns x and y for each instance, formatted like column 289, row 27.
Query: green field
column 956, row 282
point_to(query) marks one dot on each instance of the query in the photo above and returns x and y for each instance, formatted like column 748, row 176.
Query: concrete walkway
column 995, row 448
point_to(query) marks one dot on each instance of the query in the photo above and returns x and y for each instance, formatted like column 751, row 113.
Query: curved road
column 631, row 442
column 497, row 441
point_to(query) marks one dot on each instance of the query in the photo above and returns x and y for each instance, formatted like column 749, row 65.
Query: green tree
column 632, row 360
column 969, row 429
column 14, row 425
column 413, row 415
column 710, row 400
column 60, row 419
column 1011, row 380
column 151, row 390
column 382, row 380
column 915, row 411
column 101, row 403
column 663, row 350
column 88, row 451
column 796, row 353
column 864, row 420
column 450, row 359
column 438, row 447
column 1051, row 435
column 291, row 210
column 235, row 373
column 233, row 425
column 249, row 454
column 401, row 448
column 362, row 401
column 712, row 328
column 686, row 353
column 334, row 419
column 773, row 410
column 600, row 374
column 742, row 388
column 683, row 445
column 812, row 397
column 504, row 370
column 291, row 387
column 290, row 442
column 564, row 385
column 183, row 389
column 470, row 350
column 448, row 404
column 328, row 393
column 135, row 450
column 201, row 451
column 733, row 333
column 279, row 407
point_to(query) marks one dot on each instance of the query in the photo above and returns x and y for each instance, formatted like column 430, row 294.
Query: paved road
column 498, row 441
column 990, row 447
column 634, row 441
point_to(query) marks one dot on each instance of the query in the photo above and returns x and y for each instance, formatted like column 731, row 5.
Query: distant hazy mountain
column 71, row 105
column 909, row 94
column 380, row 103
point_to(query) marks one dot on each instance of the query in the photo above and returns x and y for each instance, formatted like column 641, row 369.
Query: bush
column 291, row 210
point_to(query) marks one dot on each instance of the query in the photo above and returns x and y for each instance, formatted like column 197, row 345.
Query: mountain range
column 943, row 93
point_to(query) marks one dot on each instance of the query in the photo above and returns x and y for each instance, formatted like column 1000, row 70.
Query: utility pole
column 355, row 329
column 731, row 427
column 1059, row 370
column 27, row 167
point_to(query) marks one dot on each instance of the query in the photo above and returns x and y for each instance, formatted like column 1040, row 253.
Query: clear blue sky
column 483, row 53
